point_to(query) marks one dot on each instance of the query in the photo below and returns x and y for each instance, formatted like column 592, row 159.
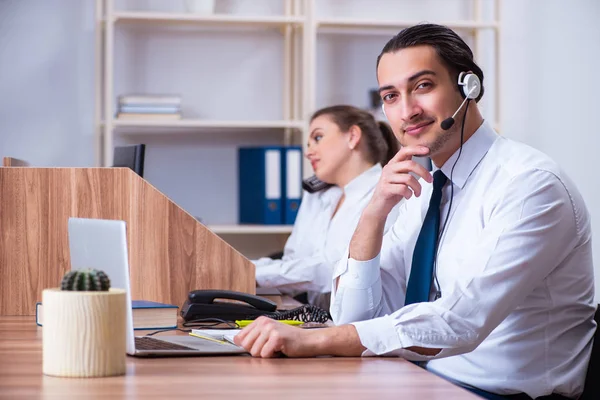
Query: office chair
column 591, row 389
column 130, row 157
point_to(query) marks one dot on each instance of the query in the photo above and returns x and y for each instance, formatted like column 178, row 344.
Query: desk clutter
column 227, row 306
column 270, row 184
column 212, row 319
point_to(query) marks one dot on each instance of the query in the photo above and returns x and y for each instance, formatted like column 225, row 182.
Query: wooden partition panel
column 14, row 162
column 170, row 253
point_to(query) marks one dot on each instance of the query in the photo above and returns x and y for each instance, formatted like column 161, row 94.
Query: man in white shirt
column 508, row 309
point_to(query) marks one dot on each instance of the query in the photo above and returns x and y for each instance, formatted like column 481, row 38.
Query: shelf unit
column 301, row 30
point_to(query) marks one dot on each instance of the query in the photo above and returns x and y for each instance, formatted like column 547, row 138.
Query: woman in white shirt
column 346, row 149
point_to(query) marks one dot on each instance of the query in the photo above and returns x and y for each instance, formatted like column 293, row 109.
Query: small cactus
column 85, row 280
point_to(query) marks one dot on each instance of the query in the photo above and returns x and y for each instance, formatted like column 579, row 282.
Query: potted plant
column 84, row 327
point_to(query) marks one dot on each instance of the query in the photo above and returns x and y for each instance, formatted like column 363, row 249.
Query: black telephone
column 314, row 184
column 204, row 304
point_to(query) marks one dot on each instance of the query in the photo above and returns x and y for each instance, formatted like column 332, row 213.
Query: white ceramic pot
column 84, row 333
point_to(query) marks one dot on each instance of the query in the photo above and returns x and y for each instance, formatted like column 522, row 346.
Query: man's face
column 418, row 94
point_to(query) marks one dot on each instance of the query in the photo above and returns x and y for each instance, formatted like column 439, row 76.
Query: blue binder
column 260, row 181
column 292, row 183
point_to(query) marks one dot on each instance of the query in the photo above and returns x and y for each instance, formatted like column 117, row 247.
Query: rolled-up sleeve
column 358, row 292
column 367, row 289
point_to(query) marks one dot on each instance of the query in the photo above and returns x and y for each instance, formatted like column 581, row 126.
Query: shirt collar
column 363, row 183
column 357, row 187
column 473, row 151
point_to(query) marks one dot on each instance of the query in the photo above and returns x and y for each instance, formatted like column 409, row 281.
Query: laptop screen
column 102, row 244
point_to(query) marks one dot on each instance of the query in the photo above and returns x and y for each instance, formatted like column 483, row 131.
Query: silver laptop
column 102, row 244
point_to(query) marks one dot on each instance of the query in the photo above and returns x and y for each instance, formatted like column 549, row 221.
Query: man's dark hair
column 454, row 53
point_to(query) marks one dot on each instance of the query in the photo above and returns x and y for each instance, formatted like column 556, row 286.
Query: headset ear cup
column 471, row 85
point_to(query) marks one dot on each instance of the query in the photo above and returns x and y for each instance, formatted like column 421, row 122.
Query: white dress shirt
column 318, row 241
column 514, row 269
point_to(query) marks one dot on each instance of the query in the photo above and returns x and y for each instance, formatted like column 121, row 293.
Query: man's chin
column 416, row 141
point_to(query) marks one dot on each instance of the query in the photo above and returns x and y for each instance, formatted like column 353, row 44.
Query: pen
column 245, row 322
column 209, row 338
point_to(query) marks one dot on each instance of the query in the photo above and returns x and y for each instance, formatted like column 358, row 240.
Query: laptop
column 102, row 244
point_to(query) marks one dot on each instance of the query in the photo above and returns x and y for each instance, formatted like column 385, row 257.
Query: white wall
column 46, row 81
column 550, row 59
column 549, row 56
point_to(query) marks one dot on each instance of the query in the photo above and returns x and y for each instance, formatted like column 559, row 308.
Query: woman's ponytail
column 392, row 143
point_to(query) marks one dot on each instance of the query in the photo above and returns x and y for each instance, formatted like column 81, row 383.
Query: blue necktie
column 421, row 272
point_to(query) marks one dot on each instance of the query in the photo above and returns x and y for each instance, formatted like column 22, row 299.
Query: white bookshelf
column 108, row 19
column 299, row 59
column 302, row 28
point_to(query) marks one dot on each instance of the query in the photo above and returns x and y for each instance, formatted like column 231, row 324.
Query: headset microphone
column 471, row 87
column 448, row 122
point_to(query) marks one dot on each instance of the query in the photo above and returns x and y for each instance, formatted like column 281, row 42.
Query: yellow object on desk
column 208, row 338
column 245, row 322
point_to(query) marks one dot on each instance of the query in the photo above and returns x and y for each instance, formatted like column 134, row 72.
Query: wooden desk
column 215, row 377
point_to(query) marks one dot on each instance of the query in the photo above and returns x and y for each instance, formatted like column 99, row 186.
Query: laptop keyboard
column 150, row 343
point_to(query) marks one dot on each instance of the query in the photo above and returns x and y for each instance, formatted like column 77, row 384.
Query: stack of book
column 149, row 107
column 146, row 315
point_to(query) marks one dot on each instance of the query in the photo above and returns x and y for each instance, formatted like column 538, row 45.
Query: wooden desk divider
column 170, row 252
column 14, row 162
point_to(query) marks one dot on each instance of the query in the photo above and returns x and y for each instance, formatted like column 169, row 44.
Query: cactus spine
column 85, row 280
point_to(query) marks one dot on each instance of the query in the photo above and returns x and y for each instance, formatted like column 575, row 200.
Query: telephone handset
column 314, row 184
column 203, row 304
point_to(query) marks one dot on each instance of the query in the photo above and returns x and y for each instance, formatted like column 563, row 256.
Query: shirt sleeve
column 533, row 224
column 367, row 289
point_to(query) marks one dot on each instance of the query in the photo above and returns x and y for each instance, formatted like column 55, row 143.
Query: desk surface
column 215, row 377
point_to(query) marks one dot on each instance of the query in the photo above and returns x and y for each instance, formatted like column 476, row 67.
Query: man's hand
column 266, row 338
column 396, row 182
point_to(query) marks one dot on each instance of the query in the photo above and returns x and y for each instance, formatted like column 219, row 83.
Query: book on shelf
column 149, row 99
column 147, row 315
column 153, row 117
column 149, row 109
